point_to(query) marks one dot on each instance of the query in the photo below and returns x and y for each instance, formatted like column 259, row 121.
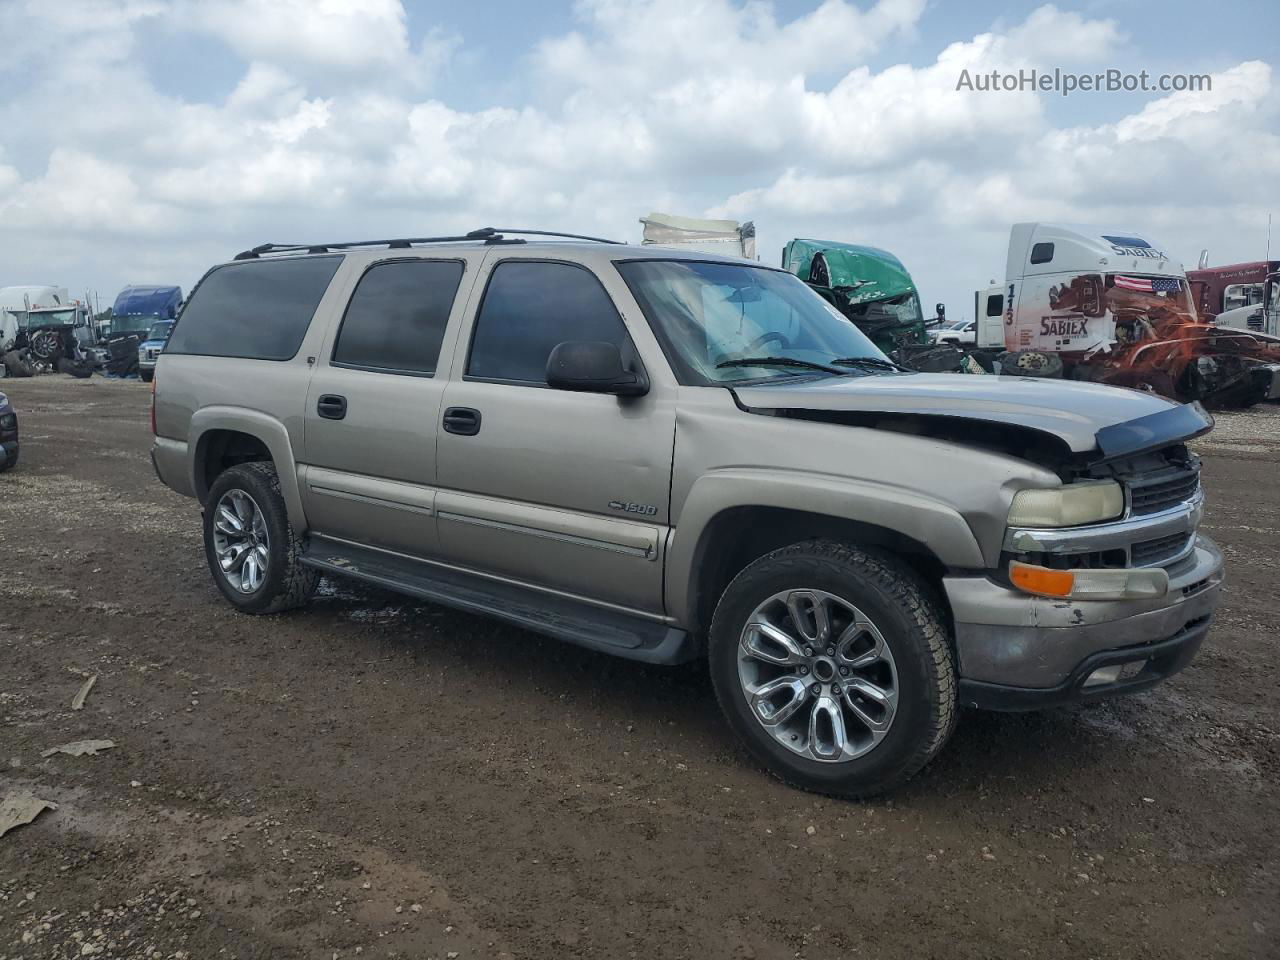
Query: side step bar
column 597, row 628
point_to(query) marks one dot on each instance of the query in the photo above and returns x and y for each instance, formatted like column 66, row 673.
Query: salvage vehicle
column 136, row 310
column 666, row 455
column 16, row 302
column 1112, row 307
column 151, row 347
column 1241, row 295
column 868, row 285
column 8, row 435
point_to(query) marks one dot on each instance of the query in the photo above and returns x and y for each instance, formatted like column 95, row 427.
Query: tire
column 286, row 583
column 146, row 375
column 1031, row 363
column 16, row 365
column 81, row 370
column 920, row 669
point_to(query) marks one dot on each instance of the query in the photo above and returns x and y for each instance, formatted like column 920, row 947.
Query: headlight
column 1091, row 501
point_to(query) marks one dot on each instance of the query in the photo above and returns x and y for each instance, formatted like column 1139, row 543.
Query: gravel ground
column 379, row 777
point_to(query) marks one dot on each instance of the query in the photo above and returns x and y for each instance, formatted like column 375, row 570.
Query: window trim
column 536, row 384
column 395, row 371
column 1038, row 252
column 339, row 256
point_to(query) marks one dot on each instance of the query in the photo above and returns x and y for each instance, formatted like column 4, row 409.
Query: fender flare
column 274, row 436
column 936, row 525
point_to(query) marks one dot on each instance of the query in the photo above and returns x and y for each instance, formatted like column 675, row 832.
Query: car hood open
column 1086, row 417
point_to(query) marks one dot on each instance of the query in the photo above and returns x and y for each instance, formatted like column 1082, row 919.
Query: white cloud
column 333, row 129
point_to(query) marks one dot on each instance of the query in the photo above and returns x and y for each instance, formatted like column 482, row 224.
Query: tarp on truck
column 725, row 237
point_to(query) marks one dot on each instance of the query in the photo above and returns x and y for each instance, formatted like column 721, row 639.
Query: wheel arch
column 224, row 436
column 719, row 534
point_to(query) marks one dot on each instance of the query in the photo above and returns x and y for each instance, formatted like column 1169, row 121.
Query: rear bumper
column 169, row 458
column 1013, row 647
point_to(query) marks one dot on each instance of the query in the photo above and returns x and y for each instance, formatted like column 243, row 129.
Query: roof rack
column 487, row 234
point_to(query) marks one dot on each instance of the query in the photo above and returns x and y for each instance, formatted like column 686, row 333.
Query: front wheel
column 832, row 664
column 250, row 546
column 146, row 375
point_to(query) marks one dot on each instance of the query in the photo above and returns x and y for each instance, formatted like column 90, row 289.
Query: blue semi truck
column 147, row 314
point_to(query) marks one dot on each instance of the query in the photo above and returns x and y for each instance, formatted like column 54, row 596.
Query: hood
column 863, row 274
column 1086, row 417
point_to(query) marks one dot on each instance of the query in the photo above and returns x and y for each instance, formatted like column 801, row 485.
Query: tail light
column 153, row 403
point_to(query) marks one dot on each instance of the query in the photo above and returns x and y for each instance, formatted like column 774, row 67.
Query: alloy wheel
column 241, row 541
column 818, row 675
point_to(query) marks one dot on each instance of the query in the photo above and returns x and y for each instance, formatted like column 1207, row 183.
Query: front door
column 374, row 404
column 564, row 490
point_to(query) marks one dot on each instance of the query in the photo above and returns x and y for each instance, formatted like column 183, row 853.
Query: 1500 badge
column 626, row 506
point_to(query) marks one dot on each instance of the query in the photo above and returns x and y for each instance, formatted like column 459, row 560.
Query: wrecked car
column 868, row 285
column 1112, row 307
column 670, row 456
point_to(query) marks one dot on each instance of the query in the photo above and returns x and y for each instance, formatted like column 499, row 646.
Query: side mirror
column 593, row 366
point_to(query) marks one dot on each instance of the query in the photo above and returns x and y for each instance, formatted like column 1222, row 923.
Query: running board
column 597, row 628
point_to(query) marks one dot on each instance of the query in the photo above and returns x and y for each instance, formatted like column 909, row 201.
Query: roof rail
column 486, row 234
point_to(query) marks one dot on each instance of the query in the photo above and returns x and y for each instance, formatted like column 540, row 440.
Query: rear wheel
column 250, row 546
column 832, row 663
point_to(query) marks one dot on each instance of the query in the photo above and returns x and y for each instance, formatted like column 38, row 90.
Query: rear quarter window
column 257, row 310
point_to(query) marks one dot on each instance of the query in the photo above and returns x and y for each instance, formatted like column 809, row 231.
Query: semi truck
column 869, row 286
column 16, row 302
column 1112, row 306
column 1245, row 296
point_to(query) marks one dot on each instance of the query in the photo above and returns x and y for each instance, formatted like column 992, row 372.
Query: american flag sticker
column 1148, row 284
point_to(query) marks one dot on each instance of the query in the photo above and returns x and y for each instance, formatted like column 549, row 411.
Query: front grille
column 1147, row 553
column 1163, row 489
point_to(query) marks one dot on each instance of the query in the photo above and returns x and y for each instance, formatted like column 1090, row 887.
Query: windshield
column 711, row 314
column 41, row 318
column 160, row 331
column 133, row 322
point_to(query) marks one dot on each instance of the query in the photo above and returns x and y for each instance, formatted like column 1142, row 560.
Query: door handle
column 464, row 421
column 331, row 406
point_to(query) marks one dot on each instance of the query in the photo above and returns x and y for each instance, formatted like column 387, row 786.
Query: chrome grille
column 1162, row 489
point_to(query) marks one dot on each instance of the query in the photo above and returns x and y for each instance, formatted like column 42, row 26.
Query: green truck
column 868, row 285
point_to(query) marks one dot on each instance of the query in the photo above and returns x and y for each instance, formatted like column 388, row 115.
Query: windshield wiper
column 779, row 362
column 870, row 362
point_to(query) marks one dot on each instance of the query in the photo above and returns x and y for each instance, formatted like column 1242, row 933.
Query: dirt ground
column 384, row 778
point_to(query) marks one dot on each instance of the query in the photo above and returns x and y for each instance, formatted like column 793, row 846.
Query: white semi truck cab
column 1067, row 286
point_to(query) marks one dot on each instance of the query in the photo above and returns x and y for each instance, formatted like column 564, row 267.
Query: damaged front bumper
column 1021, row 652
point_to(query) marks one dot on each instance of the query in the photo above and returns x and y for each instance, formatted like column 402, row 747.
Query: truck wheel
column 146, row 375
column 832, row 664
column 250, row 546
column 1031, row 363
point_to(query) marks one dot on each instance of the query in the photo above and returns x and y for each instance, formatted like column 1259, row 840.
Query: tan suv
column 666, row 455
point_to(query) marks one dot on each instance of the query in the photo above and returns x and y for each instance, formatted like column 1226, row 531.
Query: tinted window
column 529, row 308
column 397, row 316
column 995, row 305
column 1042, row 252
column 258, row 309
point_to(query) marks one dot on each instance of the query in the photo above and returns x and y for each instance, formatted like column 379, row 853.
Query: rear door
column 373, row 404
column 562, row 490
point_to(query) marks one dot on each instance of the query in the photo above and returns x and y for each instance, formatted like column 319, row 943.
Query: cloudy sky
column 144, row 140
